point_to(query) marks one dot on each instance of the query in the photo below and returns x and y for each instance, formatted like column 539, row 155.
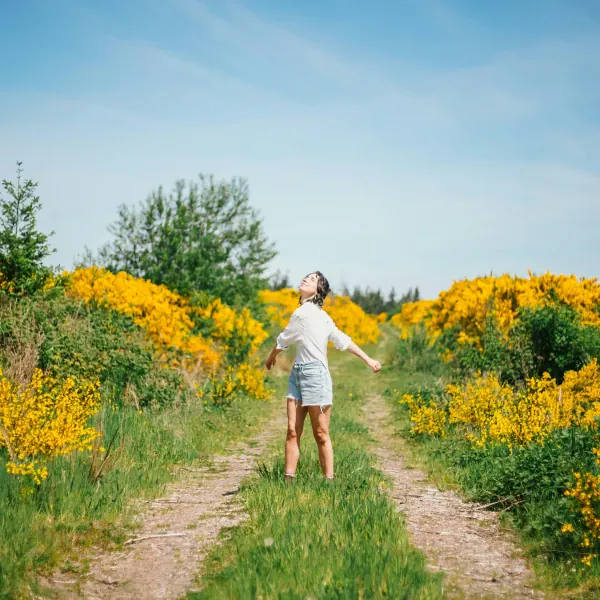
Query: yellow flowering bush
column 585, row 497
column 348, row 316
column 169, row 319
column 280, row 305
column 411, row 314
column 42, row 281
column 231, row 326
column 520, row 436
column 245, row 379
column 352, row 319
column 252, row 381
column 503, row 423
column 426, row 416
column 586, row 500
column 5, row 284
column 45, row 419
column 502, row 414
column 469, row 302
column 495, row 412
column 166, row 316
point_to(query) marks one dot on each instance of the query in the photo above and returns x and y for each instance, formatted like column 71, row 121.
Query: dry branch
column 490, row 504
column 150, row 537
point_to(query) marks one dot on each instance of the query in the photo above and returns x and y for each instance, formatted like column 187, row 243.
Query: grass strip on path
column 318, row 539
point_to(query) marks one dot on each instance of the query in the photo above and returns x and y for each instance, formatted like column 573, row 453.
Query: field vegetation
column 501, row 393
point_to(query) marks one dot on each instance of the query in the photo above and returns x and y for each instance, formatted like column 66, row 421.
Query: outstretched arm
column 344, row 342
column 373, row 364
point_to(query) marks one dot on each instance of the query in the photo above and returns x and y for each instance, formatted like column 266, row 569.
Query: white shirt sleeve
column 291, row 334
column 340, row 340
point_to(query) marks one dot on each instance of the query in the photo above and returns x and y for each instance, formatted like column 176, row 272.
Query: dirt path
column 480, row 559
column 189, row 517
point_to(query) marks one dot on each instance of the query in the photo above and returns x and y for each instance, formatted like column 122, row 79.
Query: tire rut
column 176, row 532
column 481, row 560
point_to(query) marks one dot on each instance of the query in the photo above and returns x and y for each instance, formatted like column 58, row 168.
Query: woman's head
column 314, row 288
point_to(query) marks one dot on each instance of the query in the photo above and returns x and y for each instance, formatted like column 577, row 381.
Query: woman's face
column 308, row 286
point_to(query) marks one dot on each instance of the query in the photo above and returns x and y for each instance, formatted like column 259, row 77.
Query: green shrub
column 417, row 354
column 543, row 339
column 558, row 342
column 69, row 338
column 531, row 479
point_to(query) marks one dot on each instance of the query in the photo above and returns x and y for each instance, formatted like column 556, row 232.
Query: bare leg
column 296, row 416
column 320, row 427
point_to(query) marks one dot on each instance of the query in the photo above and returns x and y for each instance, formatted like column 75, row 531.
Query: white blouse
column 310, row 328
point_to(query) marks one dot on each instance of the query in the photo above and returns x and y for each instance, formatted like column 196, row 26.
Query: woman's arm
column 373, row 364
column 344, row 342
column 288, row 336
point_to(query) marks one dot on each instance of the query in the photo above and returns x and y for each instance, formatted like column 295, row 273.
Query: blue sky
column 385, row 143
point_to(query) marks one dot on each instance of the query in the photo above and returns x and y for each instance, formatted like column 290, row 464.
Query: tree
column 22, row 247
column 392, row 298
column 279, row 281
column 201, row 238
column 373, row 301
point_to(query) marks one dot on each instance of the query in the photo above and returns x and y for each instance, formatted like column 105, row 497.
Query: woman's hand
column 271, row 360
column 375, row 365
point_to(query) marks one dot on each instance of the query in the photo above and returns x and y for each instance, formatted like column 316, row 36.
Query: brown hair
column 322, row 289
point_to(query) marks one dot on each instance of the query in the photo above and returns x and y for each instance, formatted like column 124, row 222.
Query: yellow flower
column 166, row 316
column 469, row 302
column 426, row 416
column 231, row 326
column 47, row 418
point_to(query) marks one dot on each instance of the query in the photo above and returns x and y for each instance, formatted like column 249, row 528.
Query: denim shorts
column 310, row 384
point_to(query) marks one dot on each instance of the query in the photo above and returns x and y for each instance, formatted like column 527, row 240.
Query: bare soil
column 481, row 559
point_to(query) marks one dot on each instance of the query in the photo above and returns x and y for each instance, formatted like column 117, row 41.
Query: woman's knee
column 292, row 434
column 321, row 436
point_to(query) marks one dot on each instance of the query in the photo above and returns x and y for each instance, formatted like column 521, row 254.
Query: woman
column 310, row 388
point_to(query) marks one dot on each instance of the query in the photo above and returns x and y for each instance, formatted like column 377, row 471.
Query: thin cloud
column 241, row 29
column 514, row 85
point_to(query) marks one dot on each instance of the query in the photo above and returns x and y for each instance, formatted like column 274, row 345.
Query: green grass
column 48, row 527
column 318, row 539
